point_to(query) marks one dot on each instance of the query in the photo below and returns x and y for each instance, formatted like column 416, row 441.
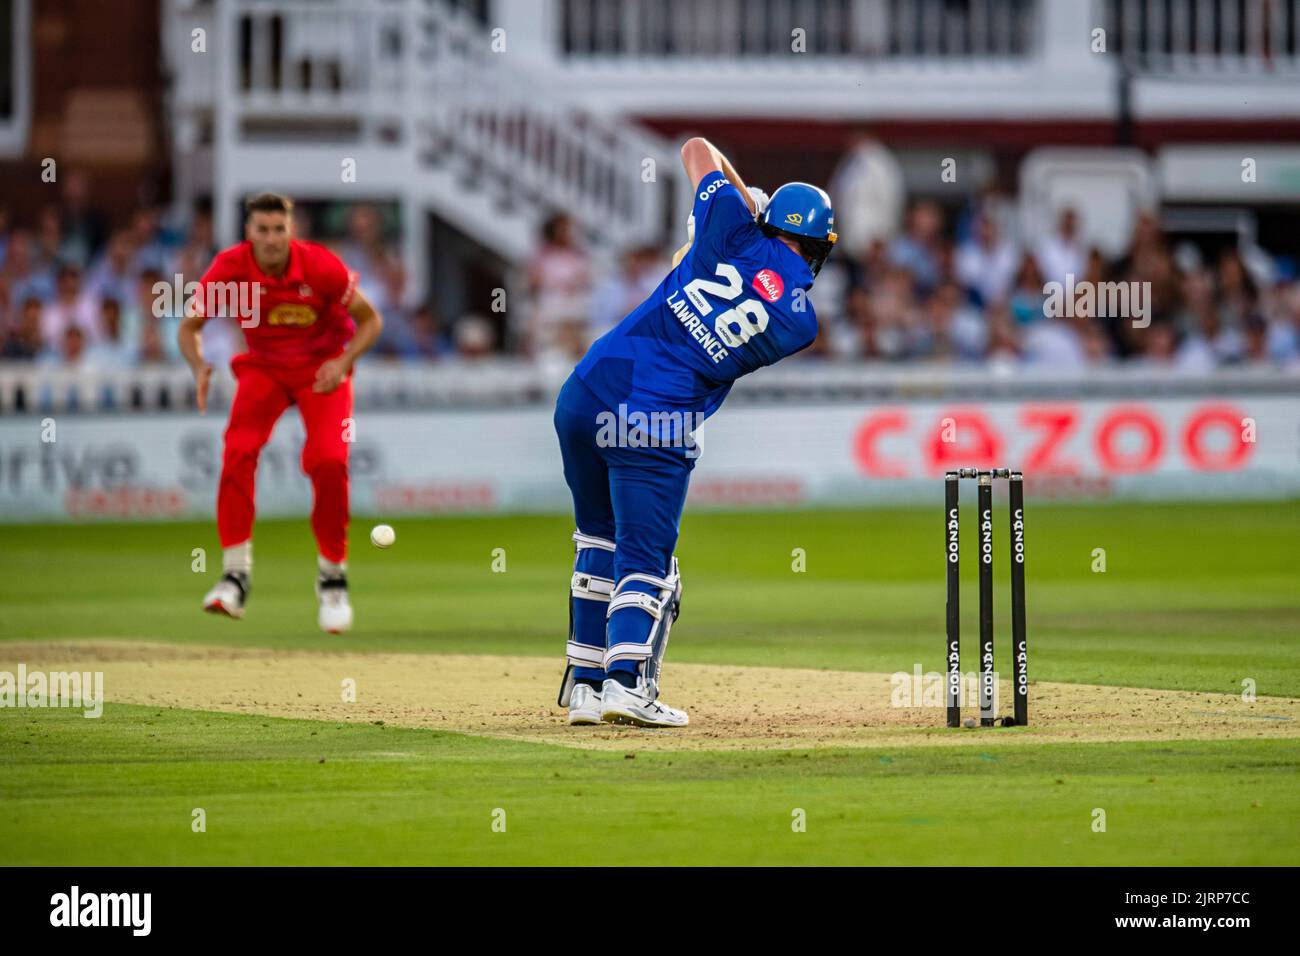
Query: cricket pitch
column 731, row 707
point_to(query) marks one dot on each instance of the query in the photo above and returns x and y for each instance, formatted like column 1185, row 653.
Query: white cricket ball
column 382, row 536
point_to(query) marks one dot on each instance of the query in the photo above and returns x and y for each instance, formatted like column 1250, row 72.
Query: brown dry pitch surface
column 731, row 707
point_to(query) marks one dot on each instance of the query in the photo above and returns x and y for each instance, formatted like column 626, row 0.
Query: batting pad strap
column 591, row 541
column 663, row 584
column 652, row 605
column 584, row 655
column 590, row 588
column 626, row 652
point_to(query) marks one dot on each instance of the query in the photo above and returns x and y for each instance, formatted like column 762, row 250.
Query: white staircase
column 413, row 93
column 488, row 122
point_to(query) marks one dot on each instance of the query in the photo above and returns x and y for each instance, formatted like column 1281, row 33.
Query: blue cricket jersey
column 736, row 302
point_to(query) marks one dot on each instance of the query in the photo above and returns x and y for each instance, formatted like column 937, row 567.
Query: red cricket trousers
column 262, row 394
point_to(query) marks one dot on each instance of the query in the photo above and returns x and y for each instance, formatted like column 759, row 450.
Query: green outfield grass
column 122, row 789
column 1194, row 597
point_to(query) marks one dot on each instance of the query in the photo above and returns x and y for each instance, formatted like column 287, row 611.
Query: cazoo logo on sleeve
column 708, row 191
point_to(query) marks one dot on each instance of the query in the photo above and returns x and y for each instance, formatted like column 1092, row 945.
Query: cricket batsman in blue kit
column 735, row 301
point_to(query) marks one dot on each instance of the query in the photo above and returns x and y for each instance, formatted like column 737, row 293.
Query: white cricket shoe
column 623, row 705
column 227, row 596
column 335, row 609
column 584, row 705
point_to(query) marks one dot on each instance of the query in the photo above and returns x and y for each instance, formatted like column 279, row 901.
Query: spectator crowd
column 77, row 294
column 958, row 287
column 963, row 289
column 74, row 293
column 950, row 285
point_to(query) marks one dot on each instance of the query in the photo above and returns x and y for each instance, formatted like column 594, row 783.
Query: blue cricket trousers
column 629, row 497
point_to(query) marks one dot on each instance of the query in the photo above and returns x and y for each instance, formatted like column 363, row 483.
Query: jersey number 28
column 737, row 325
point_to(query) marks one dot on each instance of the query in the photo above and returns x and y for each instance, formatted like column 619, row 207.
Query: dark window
column 8, row 66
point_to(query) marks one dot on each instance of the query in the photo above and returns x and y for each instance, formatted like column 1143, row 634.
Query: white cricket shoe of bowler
column 335, row 609
column 227, row 596
column 584, row 705
column 625, row 705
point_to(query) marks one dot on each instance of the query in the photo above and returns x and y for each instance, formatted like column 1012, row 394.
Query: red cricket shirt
column 299, row 318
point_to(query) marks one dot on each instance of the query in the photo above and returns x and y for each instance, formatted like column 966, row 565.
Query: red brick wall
column 96, row 106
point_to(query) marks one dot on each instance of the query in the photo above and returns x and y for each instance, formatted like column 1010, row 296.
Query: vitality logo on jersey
column 292, row 313
column 769, row 285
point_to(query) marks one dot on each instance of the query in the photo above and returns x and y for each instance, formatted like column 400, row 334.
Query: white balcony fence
column 1159, row 35
column 1208, row 37
column 742, row 29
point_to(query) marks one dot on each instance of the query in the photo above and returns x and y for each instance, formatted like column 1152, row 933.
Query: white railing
column 25, row 389
column 743, row 29
column 488, row 382
column 1214, row 37
column 513, row 382
column 307, row 58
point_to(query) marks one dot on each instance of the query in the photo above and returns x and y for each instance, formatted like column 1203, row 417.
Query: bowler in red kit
column 305, row 325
